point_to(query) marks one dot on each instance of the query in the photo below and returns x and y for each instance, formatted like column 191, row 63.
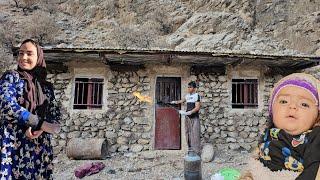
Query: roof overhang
column 138, row 57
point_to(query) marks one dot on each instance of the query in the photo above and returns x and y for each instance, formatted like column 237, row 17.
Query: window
column 244, row 93
column 88, row 93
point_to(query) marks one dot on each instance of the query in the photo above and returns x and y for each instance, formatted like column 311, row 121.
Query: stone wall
column 122, row 121
column 128, row 124
column 61, row 81
column 224, row 126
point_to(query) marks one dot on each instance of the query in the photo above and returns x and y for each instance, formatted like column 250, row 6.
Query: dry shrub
column 72, row 7
column 29, row 3
column 50, row 6
column 132, row 36
column 127, row 18
column 159, row 15
column 93, row 10
column 6, row 60
column 42, row 27
column 17, row 3
column 107, row 9
column 26, row 5
column 125, row 4
column 160, row 42
column 7, row 40
column 197, row 5
column 7, row 36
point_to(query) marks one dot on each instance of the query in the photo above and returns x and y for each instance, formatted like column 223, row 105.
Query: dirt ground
column 148, row 165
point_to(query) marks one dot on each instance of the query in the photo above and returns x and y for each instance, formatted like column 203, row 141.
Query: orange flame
column 142, row 98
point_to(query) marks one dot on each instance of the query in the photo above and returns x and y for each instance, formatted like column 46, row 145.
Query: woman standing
column 29, row 115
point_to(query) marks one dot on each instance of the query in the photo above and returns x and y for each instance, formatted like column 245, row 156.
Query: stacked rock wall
column 128, row 124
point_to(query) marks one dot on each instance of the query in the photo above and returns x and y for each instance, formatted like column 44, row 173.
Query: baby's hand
column 246, row 176
column 256, row 153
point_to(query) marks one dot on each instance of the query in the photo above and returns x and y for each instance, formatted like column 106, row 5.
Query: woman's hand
column 34, row 134
column 51, row 128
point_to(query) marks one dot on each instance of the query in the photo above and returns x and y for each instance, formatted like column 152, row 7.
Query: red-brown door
column 167, row 126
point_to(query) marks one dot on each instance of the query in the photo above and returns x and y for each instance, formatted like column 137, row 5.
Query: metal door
column 167, row 126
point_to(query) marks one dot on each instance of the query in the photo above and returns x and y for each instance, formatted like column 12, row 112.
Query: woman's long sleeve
column 10, row 85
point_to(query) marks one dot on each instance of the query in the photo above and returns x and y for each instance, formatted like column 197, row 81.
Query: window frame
column 88, row 106
column 254, row 95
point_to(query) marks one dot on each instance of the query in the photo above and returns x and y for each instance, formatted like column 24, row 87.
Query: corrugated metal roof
column 170, row 51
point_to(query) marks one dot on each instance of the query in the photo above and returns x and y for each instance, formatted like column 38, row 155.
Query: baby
column 292, row 139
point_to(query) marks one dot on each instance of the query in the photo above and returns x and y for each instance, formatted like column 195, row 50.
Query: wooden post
column 78, row 148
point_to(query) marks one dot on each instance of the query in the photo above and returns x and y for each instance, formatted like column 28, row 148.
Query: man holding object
column 192, row 117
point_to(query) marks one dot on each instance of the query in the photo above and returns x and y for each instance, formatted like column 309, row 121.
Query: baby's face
column 294, row 110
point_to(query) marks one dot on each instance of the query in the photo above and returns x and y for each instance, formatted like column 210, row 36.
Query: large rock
column 136, row 148
column 207, row 154
column 122, row 140
column 123, row 148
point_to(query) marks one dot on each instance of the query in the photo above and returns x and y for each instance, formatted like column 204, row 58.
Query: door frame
column 182, row 125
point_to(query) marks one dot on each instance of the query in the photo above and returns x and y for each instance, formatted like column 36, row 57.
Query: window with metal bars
column 244, row 93
column 88, row 93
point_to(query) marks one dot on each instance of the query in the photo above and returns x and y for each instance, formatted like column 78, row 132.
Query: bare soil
column 148, row 165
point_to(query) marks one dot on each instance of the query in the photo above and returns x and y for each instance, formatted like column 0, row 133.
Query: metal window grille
column 244, row 93
column 167, row 89
column 88, row 93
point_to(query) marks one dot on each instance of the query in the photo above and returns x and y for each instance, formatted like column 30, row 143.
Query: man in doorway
column 192, row 117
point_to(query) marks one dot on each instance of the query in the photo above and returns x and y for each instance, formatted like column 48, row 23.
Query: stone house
column 95, row 89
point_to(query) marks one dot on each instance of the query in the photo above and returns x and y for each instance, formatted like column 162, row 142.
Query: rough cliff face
column 293, row 23
column 246, row 26
column 276, row 27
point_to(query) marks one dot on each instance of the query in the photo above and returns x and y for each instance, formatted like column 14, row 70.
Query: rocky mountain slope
column 288, row 27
